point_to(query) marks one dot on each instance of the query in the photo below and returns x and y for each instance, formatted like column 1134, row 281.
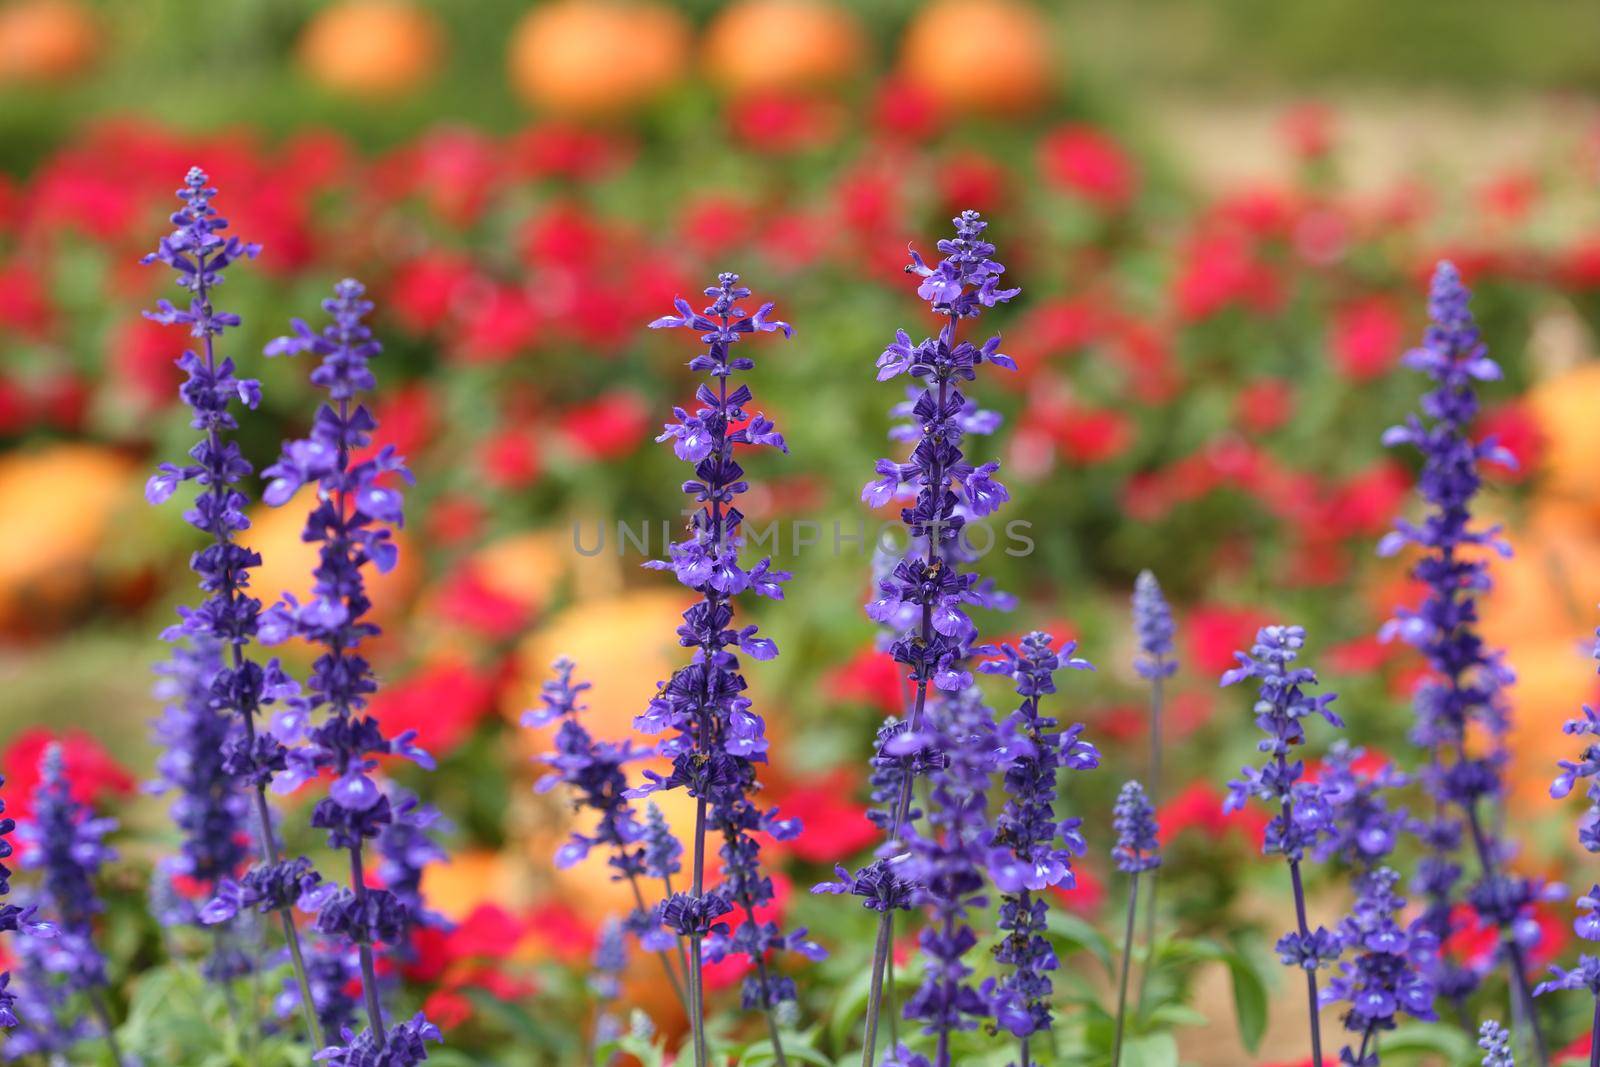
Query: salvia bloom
column 406, row 847
column 1154, row 629
column 14, row 918
column 924, row 595
column 357, row 507
column 1388, row 975
column 207, row 807
column 949, row 858
column 1302, row 815
column 229, row 616
column 1495, row 1041
column 595, row 775
column 1363, row 828
column 1032, row 849
column 1586, row 767
column 717, row 738
column 1586, row 975
column 1133, row 819
column 68, row 849
column 1466, row 687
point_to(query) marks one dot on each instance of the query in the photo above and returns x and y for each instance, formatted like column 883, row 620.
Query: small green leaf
column 1249, row 1000
column 1437, row 1039
column 1078, row 933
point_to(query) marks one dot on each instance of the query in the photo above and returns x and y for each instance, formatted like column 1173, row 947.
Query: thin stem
column 666, row 961
column 902, row 806
column 1514, row 958
column 766, row 1003
column 97, row 1002
column 1366, row 1042
column 697, row 1007
column 888, row 992
column 291, row 934
column 1127, row 966
column 1156, row 703
column 1305, row 933
column 369, row 974
column 1594, row 1035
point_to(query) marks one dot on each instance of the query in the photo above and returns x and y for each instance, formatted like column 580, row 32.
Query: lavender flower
column 14, row 918
column 1303, row 816
column 595, row 773
column 1388, row 974
column 605, row 979
column 1587, row 767
column 925, row 593
column 949, row 858
column 717, row 738
column 1586, row 975
column 1032, row 849
column 208, row 806
column 356, row 511
column 1363, row 829
column 199, row 252
column 1153, row 626
column 1466, row 688
column 406, row 847
column 1495, row 1040
column 1137, row 850
column 1133, row 818
column 68, row 850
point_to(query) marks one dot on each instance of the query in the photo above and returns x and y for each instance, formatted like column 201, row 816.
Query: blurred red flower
column 442, row 702
column 1088, row 163
column 1367, row 337
column 783, row 122
column 511, row 458
column 607, row 427
column 869, row 677
column 1198, row 808
column 94, row 774
column 1515, row 429
column 1215, row 632
column 1264, row 404
column 836, row 823
column 427, row 291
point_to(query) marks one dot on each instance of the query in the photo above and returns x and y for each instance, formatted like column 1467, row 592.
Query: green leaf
column 760, row 1054
column 1079, row 933
column 1438, row 1039
column 1249, row 999
column 1167, row 1016
column 849, row 1009
column 1150, row 1050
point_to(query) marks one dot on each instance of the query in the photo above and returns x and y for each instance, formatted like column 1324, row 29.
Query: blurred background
column 1222, row 215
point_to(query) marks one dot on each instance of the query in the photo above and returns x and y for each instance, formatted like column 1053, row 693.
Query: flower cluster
column 1495, row 1041
column 1587, row 767
column 1363, row 828
column 595, row 774
column 1154, row 629
column 1388, row 975
column 1133, row 819
column 67, row 848
column 357, row 507
column 1302, row 816
column 14, row 918
column 1586, row 975
column 718, row 738
column 229, row 617
column 1465, row 690
column 1032, row 849
column 208, row 807
column 924, row 596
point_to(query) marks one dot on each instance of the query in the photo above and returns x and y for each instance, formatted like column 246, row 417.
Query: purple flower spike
column 1466, row 687
column 358, row 506
column 596, row 778
column 716, row 737
column 229, row 617
column 1033, row 848
column 68, row 850
column 922, row 598
column 1302, row 814
column 14, row 919
column 1389, row 975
